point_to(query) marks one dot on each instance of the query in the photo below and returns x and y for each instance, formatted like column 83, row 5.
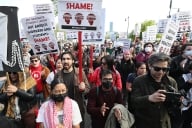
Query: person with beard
column 59, row 111
column 152, row 108
column 70, row 76
column 102, row 99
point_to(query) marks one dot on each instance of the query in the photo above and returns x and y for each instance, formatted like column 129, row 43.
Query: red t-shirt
column 36, row 74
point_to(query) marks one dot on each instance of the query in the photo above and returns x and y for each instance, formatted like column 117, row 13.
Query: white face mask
column 188, row 53
column 148, row 49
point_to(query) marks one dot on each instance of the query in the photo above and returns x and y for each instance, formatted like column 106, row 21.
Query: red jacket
column 94, row 78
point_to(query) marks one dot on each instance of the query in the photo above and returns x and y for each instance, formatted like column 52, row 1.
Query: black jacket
column 26, row 99
column 148, row 114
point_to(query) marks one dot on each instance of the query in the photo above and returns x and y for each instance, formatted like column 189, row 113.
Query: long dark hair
column 55, row 82
column 109, row 61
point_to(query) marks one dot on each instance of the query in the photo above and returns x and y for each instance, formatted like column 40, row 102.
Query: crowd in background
column 50, row 94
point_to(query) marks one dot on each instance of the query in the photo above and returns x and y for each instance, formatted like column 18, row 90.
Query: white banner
column 79, row 15
column 3, row 38
column 40, row 33
column 168, row 37
column 184, row 21
column 162, row 25
column 150, row 35
column 97, row 36
column 46, row 10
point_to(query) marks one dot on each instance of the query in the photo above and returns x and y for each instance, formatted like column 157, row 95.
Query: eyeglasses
column 32, row 61
column 14, row 73
column 157, row 69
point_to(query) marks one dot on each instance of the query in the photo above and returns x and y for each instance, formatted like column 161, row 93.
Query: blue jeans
column 40, row 98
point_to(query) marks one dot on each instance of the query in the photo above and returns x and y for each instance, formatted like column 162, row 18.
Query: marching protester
column 187, row 100
column 39, row 72
column 146, row 53
column 25, row 54
column 70, row 76
column 102, row 99
column 152, row 107
column 59, row 111
column 180, row 66
column 20, row 106
column 141, row 69
column 59, row 67
column 125, row 67
column 107, row 62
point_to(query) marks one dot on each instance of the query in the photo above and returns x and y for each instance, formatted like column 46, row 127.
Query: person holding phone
column 148, row 94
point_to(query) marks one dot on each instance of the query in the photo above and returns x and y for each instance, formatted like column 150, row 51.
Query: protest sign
column 10, row 53
column 98, row 36
column 40, row 33
column 162, row 25
column 79, row 15
column 46, row 10
column 168, row 37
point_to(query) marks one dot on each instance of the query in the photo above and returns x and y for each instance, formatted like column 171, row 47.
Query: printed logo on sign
column 36, row 75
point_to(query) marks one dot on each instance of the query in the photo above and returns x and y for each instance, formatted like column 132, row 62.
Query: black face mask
column 58, row 97
column 107, row 84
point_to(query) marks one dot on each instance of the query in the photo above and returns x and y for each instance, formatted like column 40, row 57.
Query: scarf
column 51, row 114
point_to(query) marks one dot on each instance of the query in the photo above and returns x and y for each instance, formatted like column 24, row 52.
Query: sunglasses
column 107, row 79
column 157, row 69
column 14, row 73
column 32, row 61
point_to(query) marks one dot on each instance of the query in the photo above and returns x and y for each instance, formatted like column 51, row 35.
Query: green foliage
column 159, row 36
column 145, row 24
column 131, row 35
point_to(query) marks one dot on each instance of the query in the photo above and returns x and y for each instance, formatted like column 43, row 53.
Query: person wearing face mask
column 144, row 55
column 179, row 66
column 102, row 99
column 59, row 111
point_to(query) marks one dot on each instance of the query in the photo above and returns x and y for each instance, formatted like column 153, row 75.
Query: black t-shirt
column 68, row 79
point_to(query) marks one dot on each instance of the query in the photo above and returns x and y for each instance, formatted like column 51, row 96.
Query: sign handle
column 80, row 55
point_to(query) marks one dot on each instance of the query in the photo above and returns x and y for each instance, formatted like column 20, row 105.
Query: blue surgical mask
column 188, row 53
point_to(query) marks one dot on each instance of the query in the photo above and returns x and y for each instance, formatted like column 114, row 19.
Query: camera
column 172, row 101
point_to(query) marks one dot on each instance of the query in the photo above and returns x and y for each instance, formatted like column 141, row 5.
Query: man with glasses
column 148, row 96
column 39, row 72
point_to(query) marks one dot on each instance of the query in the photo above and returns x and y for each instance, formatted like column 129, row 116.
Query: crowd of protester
column 132, row 88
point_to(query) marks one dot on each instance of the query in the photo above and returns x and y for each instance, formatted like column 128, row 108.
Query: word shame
column 43, row 39
column 86, row 6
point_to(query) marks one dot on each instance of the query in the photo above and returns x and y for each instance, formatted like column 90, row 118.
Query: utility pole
column 170, row 7
column 127, row 19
